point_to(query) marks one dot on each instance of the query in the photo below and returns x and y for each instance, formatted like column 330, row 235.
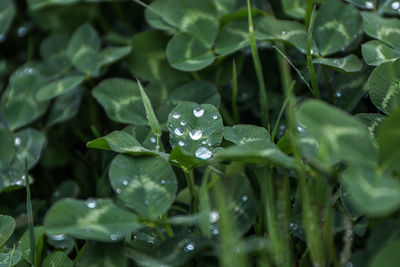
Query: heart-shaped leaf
column 384, row 86
column 7, row 226
column 349, row 63
column 57, row 259
column 24, row 245
column 242, row 134
column 197, row 129
column 29, row 144
column 59, row 87
column 233, row 37
column 121, row 100
column 93, row 219
column 336, row 26
column 103, row 255
column 375, row 53
column 146, row 184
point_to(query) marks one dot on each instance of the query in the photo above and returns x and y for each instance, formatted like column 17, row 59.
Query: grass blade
column 234, row 93
column 310, row 66
column 29, row 214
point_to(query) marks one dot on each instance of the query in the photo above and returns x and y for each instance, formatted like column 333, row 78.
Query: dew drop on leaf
column 118, row 191
column 245, row 198
column 17, row 141
column 57, row 237
column 91, row 203
column 203, row 153
column 369, row 5
column 125, row 182
column 214, row 216
column 198, row 112
column 153, row 139
column 178, row 131
column 183, row 123
column 163, row 182
column 189, row 247
column 215, row 117
column 181, row 143
column 395, row 5
column 176, row 115
column 196, row 134
column 113, row 237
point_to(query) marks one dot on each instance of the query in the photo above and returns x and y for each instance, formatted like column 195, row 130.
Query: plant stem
column 190, row 182
column 310, row 66
column 259, row 73
column 235, row 111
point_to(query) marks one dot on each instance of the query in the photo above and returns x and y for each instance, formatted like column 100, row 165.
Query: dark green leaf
column 7, row 149
column 7, row 226
column 389, row 141
column 242, row 134
column 103, row 255
column 57, row 259
column 29, row 144
column 7, row 12
column 59, row 87
column 375, row 53
column 349, row 63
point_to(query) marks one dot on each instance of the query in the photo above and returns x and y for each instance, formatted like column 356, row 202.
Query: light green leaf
column 242, row 134
column 384, row 86
column 294, row 8
column 121, row 142
column 233, row 37
column 58, row 87
column 386, row 30
column 103, row 255
column 24, row 244
column 7, row 226
column 18, row 101
column 271, row 29
column 12, row 179
column 349, row 63
column 65, row 107
column 375, row 53
column 93, row 219
column 83, row 49
column 187, row 53
column 57, row 259
column 29, row 144
column 145, row 184
column 336, row 26
column 154, row 20
column 121, row 100
column 197, row 129
column 7, row 149
column 257, row 152
column 389, row 141
column 112, row 54
column 339, row 136
column 372, row 192
column 8, row 256
column 372, row 121
column 7, row 12
column 150, row 115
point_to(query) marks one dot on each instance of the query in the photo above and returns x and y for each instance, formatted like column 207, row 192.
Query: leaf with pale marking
column 372, row 121
column 112, row 54
column 93, row 219
column 59, row 87
column 7, row 226
column 154, row 20
column 384, row 86
column 350, row 63
column 145, row 184
column 386, row 30
column 24, row 244
column 29, row 146
column 242, row 134
column 336, row 26
column 233, row 37
column 121, row 100
column 375, row 53
column 389, row 141
column 294, row 8
column 8, row 255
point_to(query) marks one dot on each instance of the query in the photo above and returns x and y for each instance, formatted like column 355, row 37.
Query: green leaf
column 39, row 4
column 257, row 152
column 11, row 179
column 271, row 29
column 349, row 89
column 195, row 128
column 349, row 63
column 7, row 226
column 384, row 86
column 121, row 142
column 184, row 160
column 65, row 107
column 8, row 256
column 93, row 219
column 83, row 49
column 29, row 144
column 367, row 4
column 57, row 259
column 383, row 29
column 24, row 244
column 121, row 100
column 242, row 134
column 145, row 184
column 150, row 115
column 103, row 255
column 58, row 87
column 18, row 101
column 375, row 53
column 387, row 256
column 7, row 12
column 339, row 136
column 233, row 37
column 7, row 149
column 154, row 20
column 336, row 26
column 53, row 51
column 187, row 53
column 112, row 54
column 371, row 191
column 372, row 121
column 389, row 141
column 294, row 8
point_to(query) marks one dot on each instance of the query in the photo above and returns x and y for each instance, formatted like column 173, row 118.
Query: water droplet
column 2, row 38
column 91, row 203
column 176, row 115
column 214, row 216
column 113, row 237
column 181, row 143
column 245, row 198
column 196, row 134
column 189, row 247
column 17, row 141
column 215, row 117
column 293, row 226
column 163, row 182
column 369, row 5
column 125, row 182
column 283, row 33
column 311, row 51
column 198, row 112
column 395, row 5
column 203, row 153
column 299, row 129
column 153, row 139
column 22, row 31
column 204, row 142
column 118, row 191
column 336, row 61
column 215, row 231
column 178, row 131
column 57, row 237
column 338, row 94
column 183, row 123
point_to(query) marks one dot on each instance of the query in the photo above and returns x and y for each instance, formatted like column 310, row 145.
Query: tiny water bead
column 91, row 203
column 214, row 216
column 163, row 182
column 17, row 141
column 118, row 191
column 204, row 142
column 395, row 5
column 176, row 115
column 57, row 237
column 215, row 117
column 203, row 153
column 153, row 139
column 245, row 198
column 198, row 112
column 283, row 33
column 196, row 134
column 125, row 182
column 189, row 247
column 181, row 143
column 178, row 131
column 183, row 123
column 369, row 5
